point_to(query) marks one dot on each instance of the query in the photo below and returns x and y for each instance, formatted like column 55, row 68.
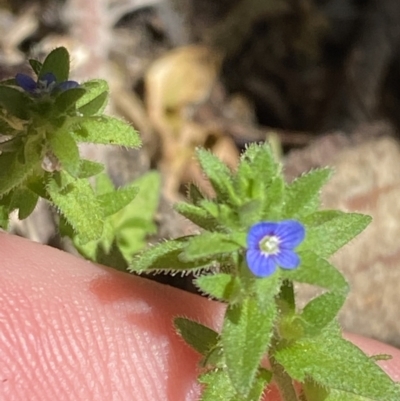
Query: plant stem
column 283, row 381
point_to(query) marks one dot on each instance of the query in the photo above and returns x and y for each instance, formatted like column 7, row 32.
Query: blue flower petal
column 258, row 232
column 26, row 82
column 291, row 233
column 287, row 259
column 49, row 78
column 259, row 264
column 63, row 86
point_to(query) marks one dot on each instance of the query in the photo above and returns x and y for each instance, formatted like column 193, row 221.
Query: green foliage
column 200, row 337
column 245, row 338
column 57, row 63
column 302, row 195
column 334, row 227
column 221, row 286
column 41, row 128
column 128, row 215
column 78, row 204
column 39, row 155
column 261, row 316
column 104, row 130
column 341, row 367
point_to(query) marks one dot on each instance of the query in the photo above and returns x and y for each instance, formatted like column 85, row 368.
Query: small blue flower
column 271, row 244
column 46, row 85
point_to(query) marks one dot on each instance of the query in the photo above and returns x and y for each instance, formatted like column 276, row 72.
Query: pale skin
column 72, row 330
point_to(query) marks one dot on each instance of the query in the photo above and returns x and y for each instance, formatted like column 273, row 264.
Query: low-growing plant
column 259, row 236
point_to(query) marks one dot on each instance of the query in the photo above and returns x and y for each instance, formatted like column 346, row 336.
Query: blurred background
column 318, row 79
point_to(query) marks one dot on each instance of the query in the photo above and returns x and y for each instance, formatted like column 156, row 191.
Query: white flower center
column 270, row 245
column 43, row 86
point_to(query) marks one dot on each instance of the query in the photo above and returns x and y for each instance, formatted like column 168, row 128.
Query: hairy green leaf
column 95, row 106
column 165, row 256
column 320, row 311
column 256, row 170
column 197, row 215
column 194, row 194
column 221, row 286
column 66, row 150
column 225, row 215
column 25, row 201
column 134, row 223
column 218, row 386
column 341, row 366
column 114, row 201
column 67, row 99
column 274, row 200
column 245, row 336
column 94, row 88
column 89, row 168
column 317, row 271
column 329, row 230
column 106, row 130
column 208, row 244
column 15, row 101
column 302, row 195
column 77, row 202
column 13, row 173
column 57, row 62
column 219, row 175
column 200, row 337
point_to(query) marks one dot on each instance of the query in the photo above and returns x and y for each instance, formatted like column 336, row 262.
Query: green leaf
column 104, row 184
column 250, row 213
column 226, row 217
column 219, row 175
column 112, row 257
column 221, row 286
column 208, row 244
column 194, row 194
column 321, row 311
column 302, row 195
column 94, row 88
column 201, row 338
column 341, row 366
column 335, row 227
column 96, row 249
column 76, row 201
column 317, row 271
column 36, row 66
column 89, row 168
column 106, row 130
column 66, row 150
column 13, row 173
column 113, row 202
column 136, row 221
column 57, row 62
column 67, row 99
column 15, row 102
column 94, row 106
column 165, row 256
column 264, row 289
column 25, row 201
column 274, row 200
column 256, row 170
column 218, row 386
column 246, row 335
column 197, row 215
